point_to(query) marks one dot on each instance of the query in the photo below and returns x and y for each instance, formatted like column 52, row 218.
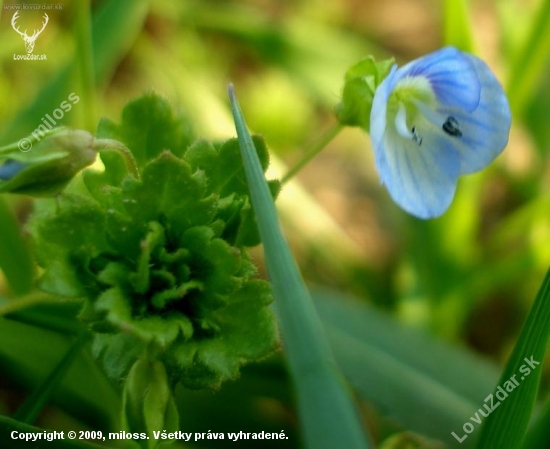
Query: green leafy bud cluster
column 360, row 83
column 161, row 259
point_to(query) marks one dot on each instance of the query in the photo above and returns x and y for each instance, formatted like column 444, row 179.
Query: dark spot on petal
column 452, row 127
column 416, row 137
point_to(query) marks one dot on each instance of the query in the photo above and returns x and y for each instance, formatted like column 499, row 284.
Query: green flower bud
column 46, row 167
column 147, row 401
column 360, row 83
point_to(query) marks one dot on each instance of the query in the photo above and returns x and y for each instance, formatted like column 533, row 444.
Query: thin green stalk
column 118, row 147
column 315, row 149
column 328, row 415
column 6, row 149
column 33, row 405
column 24, row 302
column 85, row 64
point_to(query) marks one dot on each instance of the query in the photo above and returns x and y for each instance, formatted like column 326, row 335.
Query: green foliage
column 15, row 258
column 328, row 415
column 161, row 257
column 360, row 83
column 47, row 167
column 506, row 427
column 148, row 404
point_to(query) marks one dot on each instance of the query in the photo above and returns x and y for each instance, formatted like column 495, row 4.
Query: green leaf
column 74, row 221
column 393, row 366
column 361, row 81
column 505, row 427
column 208, row 362
column 148, row 127
column 328, row 416
column 15, row 258
column 148, row 404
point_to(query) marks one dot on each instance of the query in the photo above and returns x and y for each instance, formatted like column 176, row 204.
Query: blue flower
column 438, row 117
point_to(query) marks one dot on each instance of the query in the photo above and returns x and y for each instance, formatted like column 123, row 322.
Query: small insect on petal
column 452, row 127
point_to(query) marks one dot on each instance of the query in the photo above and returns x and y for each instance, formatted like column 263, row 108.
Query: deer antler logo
column 29, row 40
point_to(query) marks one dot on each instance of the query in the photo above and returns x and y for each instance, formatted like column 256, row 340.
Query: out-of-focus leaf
column 15, row 258
column 529, row 65
column 27, row 356
column 428, row 386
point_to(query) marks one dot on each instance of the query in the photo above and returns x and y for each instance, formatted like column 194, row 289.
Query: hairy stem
column 315, row 149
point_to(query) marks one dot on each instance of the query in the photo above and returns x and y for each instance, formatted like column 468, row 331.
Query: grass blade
column 329, row 418
column 394, row 365
column 33, row 405
column 505, row 428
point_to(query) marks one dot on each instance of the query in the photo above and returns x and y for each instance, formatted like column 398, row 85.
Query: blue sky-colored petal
column 485, row 130
column 10, row 168
column 421, row 178
column 452, row 76
column 432, row 120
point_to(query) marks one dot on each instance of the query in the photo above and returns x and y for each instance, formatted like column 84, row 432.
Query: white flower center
column 413, row 107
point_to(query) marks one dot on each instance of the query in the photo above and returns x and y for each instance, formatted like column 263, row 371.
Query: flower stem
column 25, row 302
column 315, row 149
column 114, row 145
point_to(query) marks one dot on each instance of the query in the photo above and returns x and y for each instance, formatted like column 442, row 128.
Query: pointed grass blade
column 506, row 426
column 328, row 415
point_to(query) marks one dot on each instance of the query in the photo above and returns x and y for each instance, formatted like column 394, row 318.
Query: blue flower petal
column 10, row 168
column 421, row 147
column 420, row 177
column 485, row 130
column 452, row 76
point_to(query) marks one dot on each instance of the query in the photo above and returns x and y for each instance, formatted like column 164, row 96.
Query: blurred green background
column 454, row 291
